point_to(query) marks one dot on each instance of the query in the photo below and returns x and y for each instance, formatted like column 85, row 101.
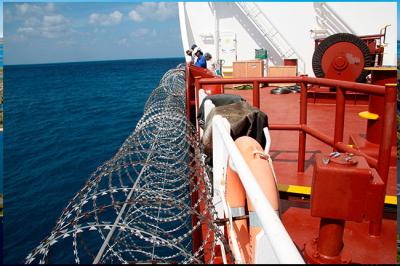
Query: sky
column 71, row 32
column 84, row 31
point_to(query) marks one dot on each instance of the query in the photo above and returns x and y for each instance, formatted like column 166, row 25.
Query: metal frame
column 389, row 92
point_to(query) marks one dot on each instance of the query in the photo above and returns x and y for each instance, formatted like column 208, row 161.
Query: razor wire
column 145, row 204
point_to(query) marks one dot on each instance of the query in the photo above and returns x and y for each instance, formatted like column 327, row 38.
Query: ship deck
column 295, row 187
column 285, row 109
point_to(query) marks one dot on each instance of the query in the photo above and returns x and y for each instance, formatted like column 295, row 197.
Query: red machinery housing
column 344, row 56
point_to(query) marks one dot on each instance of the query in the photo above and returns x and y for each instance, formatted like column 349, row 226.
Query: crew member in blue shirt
column 201, row 59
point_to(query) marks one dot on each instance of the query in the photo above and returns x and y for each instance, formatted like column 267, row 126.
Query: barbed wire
column 146, row 203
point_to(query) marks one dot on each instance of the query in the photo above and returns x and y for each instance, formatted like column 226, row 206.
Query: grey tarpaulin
column 244, row 119
column 217, row 100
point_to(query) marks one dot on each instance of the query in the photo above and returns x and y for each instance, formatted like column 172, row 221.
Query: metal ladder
column 270, row 32
column 329, row 20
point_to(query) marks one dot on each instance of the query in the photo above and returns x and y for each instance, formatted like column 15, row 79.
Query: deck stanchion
column 188, row 91
column 256, row 94
column 339, row 115
column 196, row 90
column 303, row 122
column 385, row 149
column 330, row 238
column 196, row 99
column 389, row 122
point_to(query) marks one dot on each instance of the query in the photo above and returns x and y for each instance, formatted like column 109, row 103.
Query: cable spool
column 342, row 56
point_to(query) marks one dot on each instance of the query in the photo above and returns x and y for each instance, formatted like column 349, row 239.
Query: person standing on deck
column 210, row 64
column 191, row 54
column 201, row 59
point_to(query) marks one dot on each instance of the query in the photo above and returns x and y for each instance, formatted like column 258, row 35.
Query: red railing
column 389, row 92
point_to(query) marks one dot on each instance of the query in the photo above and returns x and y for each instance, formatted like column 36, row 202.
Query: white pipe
column 282, row 244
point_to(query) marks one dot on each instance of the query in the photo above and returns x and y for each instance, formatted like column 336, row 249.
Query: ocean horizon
column 90, row 61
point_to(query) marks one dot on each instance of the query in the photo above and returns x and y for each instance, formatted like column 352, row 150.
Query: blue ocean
column 1, row 54
column 1, row 133
column 63, row 121
column 398, row 49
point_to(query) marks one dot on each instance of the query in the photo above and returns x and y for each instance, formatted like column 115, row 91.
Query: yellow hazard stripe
column 391, row 200
column 294, row 189
column 307, row 191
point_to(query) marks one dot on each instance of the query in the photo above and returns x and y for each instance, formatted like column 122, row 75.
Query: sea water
column 62, row 121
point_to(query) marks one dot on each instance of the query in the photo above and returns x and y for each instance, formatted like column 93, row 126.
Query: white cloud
column 36, row 9
column 51, row 26
column 53, row 20
column 152, row 10
column 135, row 16
column 113, row 18
column 54, row 26
column 31, row 22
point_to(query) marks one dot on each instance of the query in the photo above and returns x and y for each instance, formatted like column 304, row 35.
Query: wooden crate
column 282, row 71
column 248, row 69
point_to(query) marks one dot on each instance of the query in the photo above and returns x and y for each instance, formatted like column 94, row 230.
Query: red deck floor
column 301, row 226
column 285, row 109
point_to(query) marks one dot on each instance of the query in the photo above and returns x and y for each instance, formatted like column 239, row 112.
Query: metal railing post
column 385, row 149
column 196, row 91
column 188, row 91
column 303, row 122
column 339, row 115
column 256, row 94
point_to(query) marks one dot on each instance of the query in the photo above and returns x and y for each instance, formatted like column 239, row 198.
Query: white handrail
column 282, row 245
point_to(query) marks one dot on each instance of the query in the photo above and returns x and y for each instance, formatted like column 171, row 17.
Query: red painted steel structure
column 389, row 92
column 343, row 190
column 331, row 230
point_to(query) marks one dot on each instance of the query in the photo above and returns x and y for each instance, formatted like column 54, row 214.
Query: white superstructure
column 233, row 30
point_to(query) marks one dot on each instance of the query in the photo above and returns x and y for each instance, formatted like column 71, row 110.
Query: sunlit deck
column 285, row 109
column 296, row 215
